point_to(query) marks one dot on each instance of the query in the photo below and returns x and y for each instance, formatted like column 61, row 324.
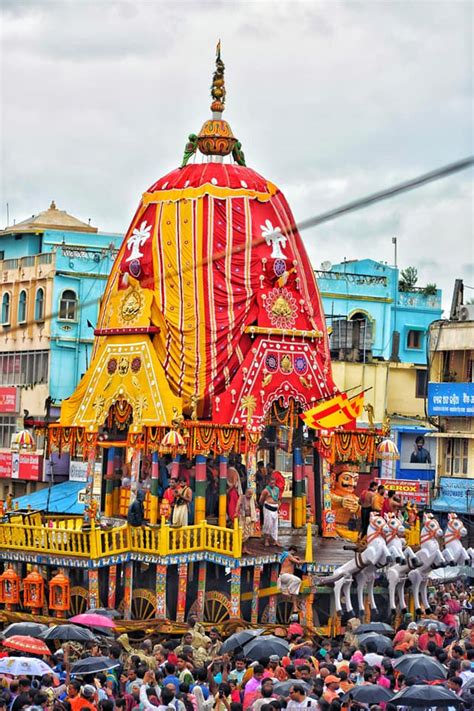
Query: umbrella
column 368, row 694
column 283, row 687
column 421, row 666
column 440, row 626
column 424, row 696
column 31, row 629
column 238, row 639
column 265, row 646
column 92, row 620
column 23, row 643
column 93, row 665
column 378, row 627
column 29, row 666
column 382, row 643
column 106, row 612
column 68, row 633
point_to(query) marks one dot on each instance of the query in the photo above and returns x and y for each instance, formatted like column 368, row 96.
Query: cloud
column 331, row 100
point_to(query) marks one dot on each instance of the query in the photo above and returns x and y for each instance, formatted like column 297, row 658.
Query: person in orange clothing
column 332, row 687
column 431, row 635
column 85, row 700
column 345, row 683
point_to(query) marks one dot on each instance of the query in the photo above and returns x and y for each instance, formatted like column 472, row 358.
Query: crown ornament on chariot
column 215, row 137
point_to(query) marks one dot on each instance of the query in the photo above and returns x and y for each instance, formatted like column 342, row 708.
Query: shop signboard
column 414, row 491
column 23, row 466
column 455, row 494
column 5, row 465
column 8, row 400
column 78, row 471
column 451, row 399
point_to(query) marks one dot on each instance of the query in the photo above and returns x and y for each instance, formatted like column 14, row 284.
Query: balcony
column 69, row 538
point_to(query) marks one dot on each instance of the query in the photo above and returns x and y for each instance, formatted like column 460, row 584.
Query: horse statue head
column 378, row 527
column 396, row 535
column 431, row 529
column 455, row 529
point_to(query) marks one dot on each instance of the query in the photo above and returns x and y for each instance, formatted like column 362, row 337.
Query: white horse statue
column 405, row 560
column 429, row 556
column 454, row 551
column 376, row 554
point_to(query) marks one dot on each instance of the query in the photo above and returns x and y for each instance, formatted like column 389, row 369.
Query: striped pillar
column 109, row 482
column 127, row 590
column 257, row 574
column 298, row 513
column 201, row 591
column 272, row 601
column 160, row 589
column 175, row 467
column 112, row 592
column 155, row 473
column 200, row 493
column 182, row 590
column 135, row 471
column 222, row 490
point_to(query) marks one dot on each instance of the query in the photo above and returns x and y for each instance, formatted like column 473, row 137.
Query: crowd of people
column 194, row 673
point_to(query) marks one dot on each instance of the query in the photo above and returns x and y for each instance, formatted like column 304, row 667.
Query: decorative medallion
column 271, row 362
column 123, row 366
column 112, row 366
column 281, row 308
column 301, row 364
column 136, row 364
column 286, row 365
column 279, row 267
column 131, row 306
column 135, row 268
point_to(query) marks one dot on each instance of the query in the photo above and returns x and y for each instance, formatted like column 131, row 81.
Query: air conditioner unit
column 466, row 312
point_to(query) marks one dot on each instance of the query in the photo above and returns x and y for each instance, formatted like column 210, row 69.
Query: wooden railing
column 65, row 538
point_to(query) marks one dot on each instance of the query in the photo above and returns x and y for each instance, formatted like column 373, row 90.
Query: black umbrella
column 382, row 643
column 265, row 646
column 420, row 666
column 282, row 688
column 93, row 665
column 68, row 633
column 424, row 696
column 378, row 627
column 238, row 639
column 27, row 629
column 440, row 626
column 368, row 694
column 113, row 614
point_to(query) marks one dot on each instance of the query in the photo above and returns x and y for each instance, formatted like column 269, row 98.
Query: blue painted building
column 364, row 307
column 53, row 270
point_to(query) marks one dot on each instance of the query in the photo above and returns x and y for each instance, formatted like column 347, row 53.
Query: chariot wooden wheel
column 216, row 607
column 284, row 610
column 79, row 600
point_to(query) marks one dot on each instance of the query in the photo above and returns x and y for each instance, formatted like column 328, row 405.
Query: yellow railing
column 68, row 539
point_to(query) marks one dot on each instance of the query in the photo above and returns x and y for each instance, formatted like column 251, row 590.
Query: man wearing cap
column 86, row 700
column 298, row 699
column 330, row 693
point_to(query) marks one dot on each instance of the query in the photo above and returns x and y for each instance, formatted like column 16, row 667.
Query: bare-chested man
column 288, row 582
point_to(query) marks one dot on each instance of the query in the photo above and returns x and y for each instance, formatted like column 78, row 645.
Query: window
column 24, row 368
column 8, row 427
column 39, row 305
column 22, row 307
column 421, row 383
column 6, row 309
column 68, row 305
column 414, row 339
column 456, row 456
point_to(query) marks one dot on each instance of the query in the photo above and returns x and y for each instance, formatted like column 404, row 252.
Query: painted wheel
column 284, row 610
column 79, row 600
column 216, row 607
column 143, row 604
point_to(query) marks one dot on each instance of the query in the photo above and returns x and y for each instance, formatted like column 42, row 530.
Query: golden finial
column 53, row 205
column 218, row 85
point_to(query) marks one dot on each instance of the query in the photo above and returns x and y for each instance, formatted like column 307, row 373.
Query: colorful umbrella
column 68, row 633
column 31, row 629
column 93, row 620
column 29, row 666
column 23, row 643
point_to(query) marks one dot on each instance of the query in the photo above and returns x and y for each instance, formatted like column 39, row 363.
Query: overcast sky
column 331, row 101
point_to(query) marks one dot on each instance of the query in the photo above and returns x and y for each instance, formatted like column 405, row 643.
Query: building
column 451, row 404
column 378, row 340
column 53, row 270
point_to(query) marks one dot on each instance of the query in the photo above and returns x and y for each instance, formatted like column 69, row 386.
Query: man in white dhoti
column 270, row 501
column 289, row 583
